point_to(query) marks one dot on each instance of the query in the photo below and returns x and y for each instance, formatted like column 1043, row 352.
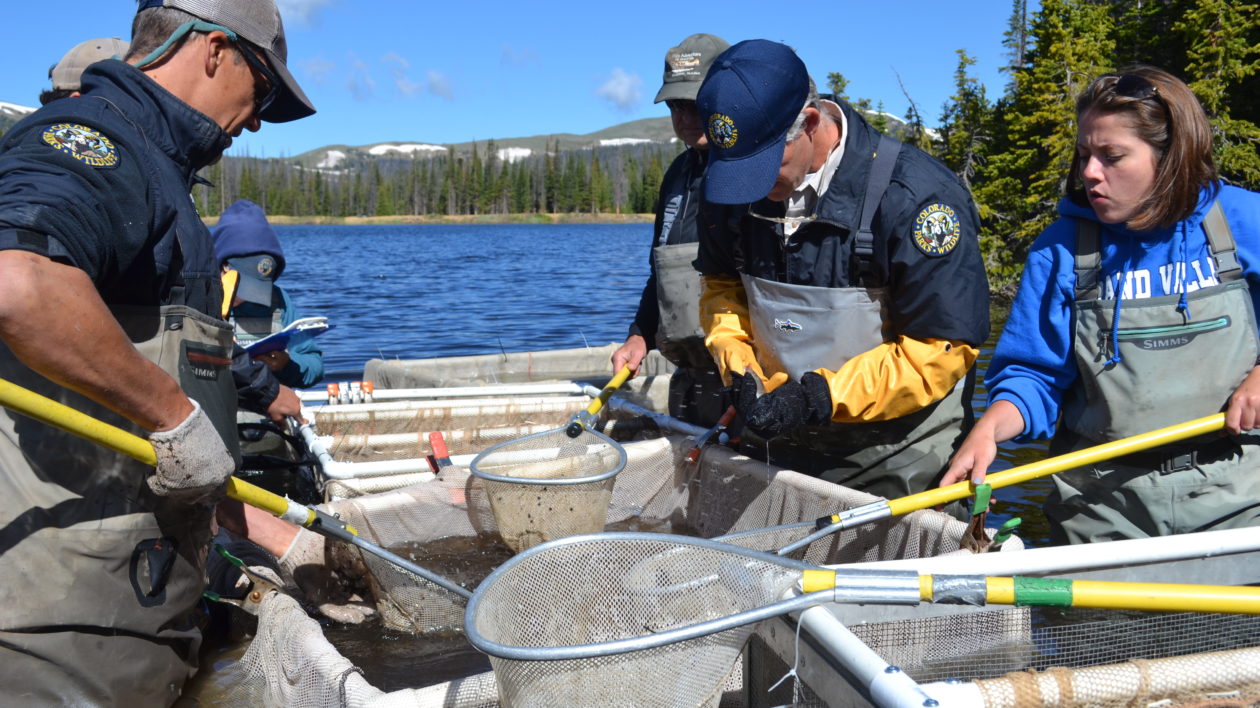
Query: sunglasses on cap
column 266, row 84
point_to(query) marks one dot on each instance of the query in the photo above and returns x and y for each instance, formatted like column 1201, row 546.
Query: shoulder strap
column 1088, row 259
column 876, row 184
column 1221, row 240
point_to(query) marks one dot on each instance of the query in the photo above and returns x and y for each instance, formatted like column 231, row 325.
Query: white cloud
column 439, row 85
column 405, row 85
column 621, row 89
column 517, row 57
column 361, row 84
column 318, row 69
column 301, row 11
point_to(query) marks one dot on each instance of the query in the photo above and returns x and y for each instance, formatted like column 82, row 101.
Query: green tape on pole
column 984, row 492
column 1043, row 592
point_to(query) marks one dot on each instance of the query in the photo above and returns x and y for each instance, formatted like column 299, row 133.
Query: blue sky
column 415, row 71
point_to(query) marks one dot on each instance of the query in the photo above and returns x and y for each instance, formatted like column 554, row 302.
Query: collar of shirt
column 801, row 202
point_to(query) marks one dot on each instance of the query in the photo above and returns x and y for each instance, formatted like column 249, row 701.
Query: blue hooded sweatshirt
column 1033, row 364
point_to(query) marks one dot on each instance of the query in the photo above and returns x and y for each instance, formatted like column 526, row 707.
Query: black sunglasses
column 266, row 84
column 1135, row 87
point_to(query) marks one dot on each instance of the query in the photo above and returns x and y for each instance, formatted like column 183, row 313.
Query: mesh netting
column 603, row 588
column 549, row 485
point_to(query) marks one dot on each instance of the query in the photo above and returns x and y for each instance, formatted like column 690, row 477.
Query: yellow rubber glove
column 897, row 378
column 727, row 329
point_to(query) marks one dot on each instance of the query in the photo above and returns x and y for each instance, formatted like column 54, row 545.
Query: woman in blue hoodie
column 1136, row 311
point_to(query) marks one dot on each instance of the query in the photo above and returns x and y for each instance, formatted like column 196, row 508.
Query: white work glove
column 193, row 464
column 325, row 582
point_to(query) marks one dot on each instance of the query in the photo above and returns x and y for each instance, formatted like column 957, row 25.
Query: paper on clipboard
column 297, row 332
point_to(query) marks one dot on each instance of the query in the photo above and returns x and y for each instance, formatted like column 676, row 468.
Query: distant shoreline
column 470, row 219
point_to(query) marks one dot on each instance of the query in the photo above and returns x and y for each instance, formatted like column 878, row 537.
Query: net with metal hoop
column 581, row 619
column 551, row 484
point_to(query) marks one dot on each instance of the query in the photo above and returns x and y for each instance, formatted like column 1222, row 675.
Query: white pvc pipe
column 486, row 435
column 1085, row 556
column 390, row 394
column 887, row 685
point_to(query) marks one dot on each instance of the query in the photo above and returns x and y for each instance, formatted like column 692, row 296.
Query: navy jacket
column 102, row 182
column 931, row 296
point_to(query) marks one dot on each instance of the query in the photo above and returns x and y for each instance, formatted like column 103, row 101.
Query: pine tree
column 1223, row 57
column 1022, row 184
column 965, row 125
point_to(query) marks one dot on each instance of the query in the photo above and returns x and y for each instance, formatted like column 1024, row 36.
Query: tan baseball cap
column 686, row 65
column 66, row 73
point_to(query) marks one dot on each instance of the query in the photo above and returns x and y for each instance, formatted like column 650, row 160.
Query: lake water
column 419, row 291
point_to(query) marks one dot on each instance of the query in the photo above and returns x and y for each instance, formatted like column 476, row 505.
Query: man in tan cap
column 668, row 317
column 109, row 302
column 65, row 74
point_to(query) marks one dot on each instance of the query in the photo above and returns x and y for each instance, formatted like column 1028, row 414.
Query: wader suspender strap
column 1220, row 242
column 876, row 184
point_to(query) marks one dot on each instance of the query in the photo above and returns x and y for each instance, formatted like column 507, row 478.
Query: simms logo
column 1162, row 338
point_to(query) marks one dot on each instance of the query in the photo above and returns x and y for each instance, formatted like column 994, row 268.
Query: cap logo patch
column 686, row 64
column 82, row 143
column 722, row 131
column 266, row 266
column 936, row 229
column 787, row 325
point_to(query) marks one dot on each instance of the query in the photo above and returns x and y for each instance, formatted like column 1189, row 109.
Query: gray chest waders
column 801, row 328
column 1172, row 368
column 102, row 577
column 695, row 387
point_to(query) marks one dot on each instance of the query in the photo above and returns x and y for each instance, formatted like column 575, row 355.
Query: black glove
column 742, row 393
column 788, row 407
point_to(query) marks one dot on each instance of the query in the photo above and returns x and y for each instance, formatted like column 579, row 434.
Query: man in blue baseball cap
column 842, row 276
column 245, row 243
column 668, row 318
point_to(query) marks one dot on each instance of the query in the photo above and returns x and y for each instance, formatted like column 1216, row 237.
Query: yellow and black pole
column 884, row 509
column 908, row 587
column 59, row 415
column 586, row 419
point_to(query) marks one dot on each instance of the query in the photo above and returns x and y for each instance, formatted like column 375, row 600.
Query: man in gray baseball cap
column 112, row 303
column 65, row 75
column 255, row 22
column 668, row 314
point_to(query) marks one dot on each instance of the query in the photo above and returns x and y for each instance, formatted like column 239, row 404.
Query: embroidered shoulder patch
column 82, row 143
column 936, row 229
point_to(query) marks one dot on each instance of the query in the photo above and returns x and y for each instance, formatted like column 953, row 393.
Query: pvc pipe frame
column 394, row 394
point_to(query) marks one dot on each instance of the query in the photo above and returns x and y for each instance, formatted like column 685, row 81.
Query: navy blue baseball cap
column 749, row 99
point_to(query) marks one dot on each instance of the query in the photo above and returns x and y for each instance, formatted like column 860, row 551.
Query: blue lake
column 420, row 291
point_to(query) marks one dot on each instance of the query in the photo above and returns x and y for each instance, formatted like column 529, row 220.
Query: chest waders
column 1161, row 379
column 801, row 328
column 695, row 385
column 102, row 577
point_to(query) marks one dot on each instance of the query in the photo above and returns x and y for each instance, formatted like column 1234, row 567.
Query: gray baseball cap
column 257, row 22
column 66, row 73
column 686, row 65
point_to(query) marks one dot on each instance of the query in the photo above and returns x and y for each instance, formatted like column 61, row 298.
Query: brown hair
column 1164, row 113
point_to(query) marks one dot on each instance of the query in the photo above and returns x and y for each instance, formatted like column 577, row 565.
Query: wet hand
column 286, row 405
column 630, row 354
column 308, row 566
column 1243, row 412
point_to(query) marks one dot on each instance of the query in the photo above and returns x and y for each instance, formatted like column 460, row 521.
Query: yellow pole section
column 1072, row 460
column 1166, row 598
column 613, row 385
column 75, row 422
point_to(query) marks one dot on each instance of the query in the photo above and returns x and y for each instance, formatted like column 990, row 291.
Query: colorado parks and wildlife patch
column 936, row 229
column 722, row 131
column 82, row 143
